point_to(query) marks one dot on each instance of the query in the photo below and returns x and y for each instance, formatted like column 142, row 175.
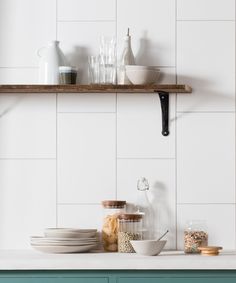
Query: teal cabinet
column 132, row 276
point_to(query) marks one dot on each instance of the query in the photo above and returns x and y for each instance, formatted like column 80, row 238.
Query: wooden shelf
column 162, row 90
column 95, row 88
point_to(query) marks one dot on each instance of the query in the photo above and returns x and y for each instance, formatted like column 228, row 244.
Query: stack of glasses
column 102, row 68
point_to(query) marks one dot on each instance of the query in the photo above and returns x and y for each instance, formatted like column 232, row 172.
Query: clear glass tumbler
column 107, row 60
column 94, row 69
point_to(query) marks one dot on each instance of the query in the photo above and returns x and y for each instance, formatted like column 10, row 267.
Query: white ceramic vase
column 51, row 57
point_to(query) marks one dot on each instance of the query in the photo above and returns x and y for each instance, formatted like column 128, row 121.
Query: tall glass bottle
column 127, row 58
column 144, row 207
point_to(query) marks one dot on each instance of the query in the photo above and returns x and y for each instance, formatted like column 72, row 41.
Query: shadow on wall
column 162, row 213
column 146, row 54
column 14, row 101
column 206, row 91
column 79, row 58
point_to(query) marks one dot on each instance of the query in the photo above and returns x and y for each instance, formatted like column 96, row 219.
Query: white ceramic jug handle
column 39, row 51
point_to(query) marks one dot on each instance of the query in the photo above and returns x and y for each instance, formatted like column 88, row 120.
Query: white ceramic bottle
column 51, row 57
column 127, row 58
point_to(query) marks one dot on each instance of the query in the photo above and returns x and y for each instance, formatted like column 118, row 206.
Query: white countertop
column 32, row 260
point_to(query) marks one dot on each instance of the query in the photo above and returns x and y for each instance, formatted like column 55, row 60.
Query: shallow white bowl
column 142, row 76
column 148, row 247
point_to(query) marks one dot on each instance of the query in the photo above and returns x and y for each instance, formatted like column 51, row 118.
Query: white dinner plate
column 69, row 233
column 63, row 249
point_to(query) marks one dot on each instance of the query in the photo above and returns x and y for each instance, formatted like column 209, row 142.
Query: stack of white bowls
column 64, row 240
column 141, row 75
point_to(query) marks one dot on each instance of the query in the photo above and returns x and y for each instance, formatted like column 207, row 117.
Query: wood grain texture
column 172, row 88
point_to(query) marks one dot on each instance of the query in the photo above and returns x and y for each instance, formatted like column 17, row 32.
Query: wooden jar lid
column 114, row 203
column 210, row 250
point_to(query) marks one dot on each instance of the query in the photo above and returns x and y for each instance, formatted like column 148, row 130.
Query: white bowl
column 148, row 247
column 142, row 76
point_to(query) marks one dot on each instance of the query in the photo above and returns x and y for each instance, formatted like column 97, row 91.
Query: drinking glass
column 107, row 60
column 94, row 69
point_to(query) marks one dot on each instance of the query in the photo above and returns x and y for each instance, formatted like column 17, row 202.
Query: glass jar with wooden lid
column 130, row 228
column 112, row 209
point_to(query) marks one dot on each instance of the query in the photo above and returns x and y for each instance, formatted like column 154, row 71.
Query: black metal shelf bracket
column 164, row 99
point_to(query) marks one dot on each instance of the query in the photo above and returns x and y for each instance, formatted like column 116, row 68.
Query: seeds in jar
column 193, row 240
column 124, row 238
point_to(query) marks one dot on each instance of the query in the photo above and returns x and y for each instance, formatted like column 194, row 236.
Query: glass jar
column 195, row 235
column 112, row 209
column 130, row 228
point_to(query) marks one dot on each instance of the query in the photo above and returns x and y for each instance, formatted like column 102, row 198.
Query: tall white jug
column 51, row 57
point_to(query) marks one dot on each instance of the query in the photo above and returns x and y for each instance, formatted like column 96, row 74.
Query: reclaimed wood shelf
column 162, row 90
column 94, row 88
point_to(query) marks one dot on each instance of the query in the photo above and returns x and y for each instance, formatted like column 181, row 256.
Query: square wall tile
column 219, row 219
column 152, row 27
column 81, row 39
column 21, row 21
column 206, row 157
column 86, row 102
column 139, row 124
column 18, row 75
column 80, row 10
column 207, row 64
column 86, row 158
column 205, row 10
column 28, row 125
column 83, row 216
column 161, row 177
column 27, row 200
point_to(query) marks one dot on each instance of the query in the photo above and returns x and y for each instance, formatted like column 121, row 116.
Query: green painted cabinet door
column 176, row 280
column 53, row 280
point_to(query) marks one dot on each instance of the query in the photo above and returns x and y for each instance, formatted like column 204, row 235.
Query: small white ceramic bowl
column 142, row 76
column 148, row 247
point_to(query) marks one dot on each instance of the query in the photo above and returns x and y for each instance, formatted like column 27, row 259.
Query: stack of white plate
column 64, row 240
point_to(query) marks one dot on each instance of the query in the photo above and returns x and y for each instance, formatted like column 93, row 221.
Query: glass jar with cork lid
column 112, row 209
column 195, row 236
column 130, row 228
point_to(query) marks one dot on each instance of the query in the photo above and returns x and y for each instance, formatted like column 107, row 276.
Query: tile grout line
column 204, row 20
column 116, row 135
column 176, row 132
column 235, row 130
column 206, row 203
column 56, row 161
column 56, row 128
column 86, row 21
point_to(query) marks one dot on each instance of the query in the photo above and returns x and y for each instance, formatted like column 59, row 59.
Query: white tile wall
column 27, row 200
column 25, row 26
column 206, row 10
column 87, row 102
column 86, row 157
column 18, row 75
column 79, row 10
column 207, row 64
column 82, row 216
column 28, row 125
column 219, row 220
column 161, row 176
column 206, row 157
column 68, row 152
